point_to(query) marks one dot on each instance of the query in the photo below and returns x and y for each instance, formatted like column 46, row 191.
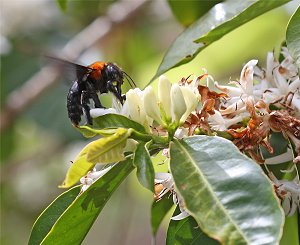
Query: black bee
column 98, row 77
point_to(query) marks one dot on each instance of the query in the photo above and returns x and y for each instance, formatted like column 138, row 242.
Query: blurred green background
column 38, row 145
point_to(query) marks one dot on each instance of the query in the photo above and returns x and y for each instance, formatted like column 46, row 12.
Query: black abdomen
column 74, row 103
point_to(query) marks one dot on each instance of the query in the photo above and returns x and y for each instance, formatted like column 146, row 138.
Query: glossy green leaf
column 186, row 232
column 293, row 36
column 143, row 163
column 220, row 20
column 62, row 4
column 46, row 220
column 159, row 210
column 90, row 132
column 79, row 168
column 117, row 121
column 108, row 149
column 227, row 193
column 104, row 150
column 73, row 225
column 279, row 144
column 188, row 11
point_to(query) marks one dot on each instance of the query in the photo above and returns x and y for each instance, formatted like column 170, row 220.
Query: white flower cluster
column 277, row 85
column 180, row 109
column 172, row 106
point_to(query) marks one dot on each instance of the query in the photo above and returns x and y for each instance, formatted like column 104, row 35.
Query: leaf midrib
column 215, row 197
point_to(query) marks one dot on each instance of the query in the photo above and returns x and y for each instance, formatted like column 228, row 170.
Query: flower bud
column 191, row 101
column 164, row 88
column 151, row 105
column 178, row 106
column 135, row 106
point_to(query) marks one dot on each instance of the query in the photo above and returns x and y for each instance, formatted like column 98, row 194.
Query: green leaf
column 108, row 149
column 89, row 132
column 159, row 210
column 279, row 144
column 226, row 192
column 291, row 231
column 117, row 121
column 62, row 4
column 73, row 225
column 79, row 168
column 46, row 220
column 189, row 11
column 293, row 36
column 104, row 150
column 143, row 163
column 220, row 20
column 186, row 232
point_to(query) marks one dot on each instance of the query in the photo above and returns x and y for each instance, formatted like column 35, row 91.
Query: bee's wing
column 70, row 70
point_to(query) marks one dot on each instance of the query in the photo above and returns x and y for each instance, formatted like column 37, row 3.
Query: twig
column 32, row 89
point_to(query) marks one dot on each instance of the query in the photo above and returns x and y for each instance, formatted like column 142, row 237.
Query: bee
column 102, row 77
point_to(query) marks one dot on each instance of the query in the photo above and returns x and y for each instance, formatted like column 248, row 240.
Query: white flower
column 288, row 67
column 238, row 94
column 183, row 213
column 289, row 192
column 246, row 79
column 178, row 105
column 91, row 177
column 245, row 84
column 177, row 102
column 279, row 82
column 164, row 89
column 218, row 122
column 136, row 108
column 181, row 133
column 191, row 102
column 151, row 105
column 173, row 105
column 282, row 90
column 285, row 157
column 133, row 108
column 97, row 112
column 166, row 180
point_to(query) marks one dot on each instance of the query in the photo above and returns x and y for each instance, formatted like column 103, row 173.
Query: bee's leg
column 85, row 100
column 116, row 91
column 96, row 100
column 94, row 96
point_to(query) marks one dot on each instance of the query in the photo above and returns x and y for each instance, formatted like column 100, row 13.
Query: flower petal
column 178, row 106
column 181, row 216
column 191, row 101
column 97, row 112
column 151, row 105
column 135, row 106
column 164, row 89
column 246, row 79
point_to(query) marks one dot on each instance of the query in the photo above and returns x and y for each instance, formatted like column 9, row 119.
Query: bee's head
column 116, row 76
column 115, row 73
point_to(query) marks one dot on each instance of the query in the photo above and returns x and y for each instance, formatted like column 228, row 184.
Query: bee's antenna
column 129, row 79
